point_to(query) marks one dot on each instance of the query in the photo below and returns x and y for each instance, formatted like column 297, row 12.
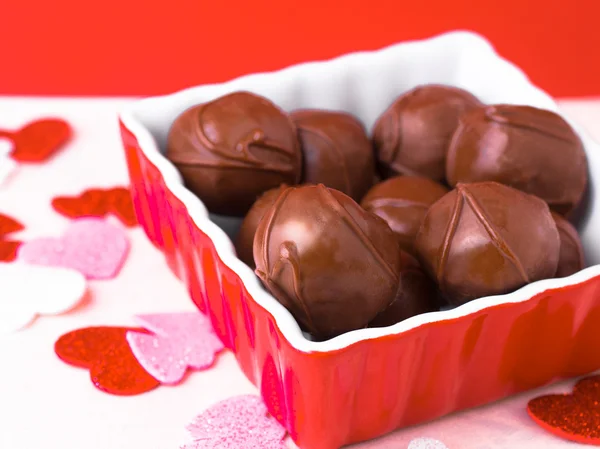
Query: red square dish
column 368, row 382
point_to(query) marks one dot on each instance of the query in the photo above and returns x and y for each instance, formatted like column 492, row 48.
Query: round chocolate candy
column 336, row 151
column 416, row 294
column 403, row 201
column 530, row 149
column 486, row 239
column 571, row 258
column 332, row 264
column 411, row 137
column 234, row 148
column 245, row 237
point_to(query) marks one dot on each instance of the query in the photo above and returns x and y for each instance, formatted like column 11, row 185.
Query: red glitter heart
column 38, row 140
column 8, row 248
column 574, row 417
column 98, row 203
column 9, row 225
column 106, row 353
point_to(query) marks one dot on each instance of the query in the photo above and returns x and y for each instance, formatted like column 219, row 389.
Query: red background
column 146, row 47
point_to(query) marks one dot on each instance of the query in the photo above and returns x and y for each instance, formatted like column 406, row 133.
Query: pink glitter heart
column 180, row 341
column 241, row 422
column 426, row 443
column 93, row 247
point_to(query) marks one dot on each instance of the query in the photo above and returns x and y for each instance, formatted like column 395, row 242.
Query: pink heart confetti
column 241, row 422
column 180, row 341
column 426, row 443
column 93, row 247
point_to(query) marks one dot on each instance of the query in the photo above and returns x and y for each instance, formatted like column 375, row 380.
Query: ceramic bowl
column 368, row 382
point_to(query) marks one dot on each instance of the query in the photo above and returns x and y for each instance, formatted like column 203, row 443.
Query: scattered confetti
column 98, row 203
column 93, row 247
column 574, row 417
column 241, row 422
column 7, row 163
column 8, row 225
column 180, row 341
column 29, row 291
column 8, row 248
column 106, row 353
column 426, row 443
column 39, row 140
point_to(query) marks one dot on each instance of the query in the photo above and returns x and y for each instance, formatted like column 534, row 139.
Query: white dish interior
column 364, row 84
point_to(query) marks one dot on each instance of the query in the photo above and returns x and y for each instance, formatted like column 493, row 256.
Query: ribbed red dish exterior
column 327, row 400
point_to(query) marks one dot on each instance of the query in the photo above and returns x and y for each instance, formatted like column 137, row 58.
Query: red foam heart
column 39, row 140
column 98, row 203
column 9, row 225
column 121, row 205
column 91, row 203
column 574, row 417
column 8, row 248
column 105, row 352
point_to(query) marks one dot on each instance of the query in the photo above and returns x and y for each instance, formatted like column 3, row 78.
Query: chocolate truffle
column 245, row 238
column 234, row 148
column 571, row 258
column 402, row 202
column 530, row 149
column 411, row 137
column 486, row 239
column 416, row 294
column 336, row 151
column 332, row 264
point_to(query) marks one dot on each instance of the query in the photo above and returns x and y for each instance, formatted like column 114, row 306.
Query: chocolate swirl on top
column 329, row 262
column 530, row 149
column 245, row 237
column 536, row 120
column 337, row 151
column 411, row 137
column 233, row 149
column 486, row 239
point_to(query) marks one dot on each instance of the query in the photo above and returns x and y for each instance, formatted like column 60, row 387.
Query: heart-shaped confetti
column 29, row 291
column 98, row 203
column 106, row 353
column 574, row 417
column 39, row 140
column 93, row 247
column 8, row 248
column 241, row 422
column 180, row 341
column 426, row 443
column 7, row 163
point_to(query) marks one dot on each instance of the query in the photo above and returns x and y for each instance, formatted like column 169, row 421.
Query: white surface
column 7, row 164
column 27, row 292
column 364, row 84
column 45, row 404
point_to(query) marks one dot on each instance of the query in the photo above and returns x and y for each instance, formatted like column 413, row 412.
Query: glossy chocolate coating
column 571, row 258
column 416, row 294
column 336, row 151
column 403, row 201
column 411, row 137
column 245, row 238
column 530, row 149
column 332, row 264
column 233, row 149
column 487, row 239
